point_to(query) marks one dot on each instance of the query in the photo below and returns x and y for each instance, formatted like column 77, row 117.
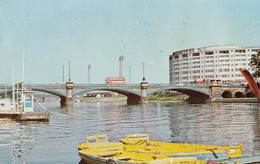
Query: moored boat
column 20, row 107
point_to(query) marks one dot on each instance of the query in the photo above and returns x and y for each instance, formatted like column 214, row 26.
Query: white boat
column 20, row 106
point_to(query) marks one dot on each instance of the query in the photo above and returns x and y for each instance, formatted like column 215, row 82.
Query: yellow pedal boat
column 137, row 148
column 97, row 150
column 141, row 142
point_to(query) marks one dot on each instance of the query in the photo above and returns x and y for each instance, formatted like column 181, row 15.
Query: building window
column 209, row 53
column 224, row 52
column 240, row 51
column 196, row 54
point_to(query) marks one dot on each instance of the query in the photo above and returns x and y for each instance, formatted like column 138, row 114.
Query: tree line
column 255, row 64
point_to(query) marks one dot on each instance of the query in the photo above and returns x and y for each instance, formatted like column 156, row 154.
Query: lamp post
column 121, row 59
column 89, row 73
column 130, row 73
column 144, row 86
column 143, row 72
column 69, row 71
column 63, row 73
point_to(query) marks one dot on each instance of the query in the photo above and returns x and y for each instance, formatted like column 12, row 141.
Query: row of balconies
column 211, row 53
column 241, row 57
column 187, row 72
column 208, row 76
column 224, row 63
column 202, row 67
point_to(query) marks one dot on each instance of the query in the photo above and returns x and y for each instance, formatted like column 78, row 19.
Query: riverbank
column 102, row 99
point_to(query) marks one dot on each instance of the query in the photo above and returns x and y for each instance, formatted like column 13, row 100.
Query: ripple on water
column 56, row 141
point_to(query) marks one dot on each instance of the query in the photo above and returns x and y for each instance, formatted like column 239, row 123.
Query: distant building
column 210, row 63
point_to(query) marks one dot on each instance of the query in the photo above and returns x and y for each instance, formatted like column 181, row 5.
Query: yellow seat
column 99, row 146
column 136, row 139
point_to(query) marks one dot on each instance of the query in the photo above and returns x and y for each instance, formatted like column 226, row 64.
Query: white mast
column 23, row 68
column 23, row 72
column 13, row 85
column 22, row 94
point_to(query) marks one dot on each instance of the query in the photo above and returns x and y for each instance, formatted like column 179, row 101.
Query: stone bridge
column 138, row 93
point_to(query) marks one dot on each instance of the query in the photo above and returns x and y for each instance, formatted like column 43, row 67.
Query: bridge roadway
column 134, row 92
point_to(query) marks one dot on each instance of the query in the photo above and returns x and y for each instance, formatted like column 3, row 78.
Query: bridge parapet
column 69, row 91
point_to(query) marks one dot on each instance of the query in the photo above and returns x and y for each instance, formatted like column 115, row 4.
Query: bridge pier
column 144, row 86
column 197, row 98
column 62, row 101
column 215, row 90
column 69, row 90
column 133, row 100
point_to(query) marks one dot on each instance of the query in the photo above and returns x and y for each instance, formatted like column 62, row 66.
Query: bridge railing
column 104, row 85
column 127, row 85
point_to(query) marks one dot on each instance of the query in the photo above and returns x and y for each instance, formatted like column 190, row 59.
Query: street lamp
column 89, row 73
column 63, row 73
column 130, row 73
column 143, row 72
column 69, row 71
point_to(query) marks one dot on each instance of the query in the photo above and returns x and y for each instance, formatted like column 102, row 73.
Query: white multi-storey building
column 210, row 63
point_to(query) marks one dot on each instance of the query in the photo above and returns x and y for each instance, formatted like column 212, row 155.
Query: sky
column 53, row 33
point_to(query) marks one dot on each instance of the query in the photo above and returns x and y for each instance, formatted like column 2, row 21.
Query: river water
column 56, row 141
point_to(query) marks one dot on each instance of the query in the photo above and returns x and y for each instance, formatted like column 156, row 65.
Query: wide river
column 56, row 141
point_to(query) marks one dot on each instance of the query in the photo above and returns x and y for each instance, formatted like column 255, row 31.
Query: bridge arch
column 239, row 94
column 62, row 95
column 46, row 90
column 250, row 94
column 226, row 94
column 51, row 91
column 195, row 95
column 133, row 97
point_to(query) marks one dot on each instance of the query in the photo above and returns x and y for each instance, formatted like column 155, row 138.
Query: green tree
column 255, row 64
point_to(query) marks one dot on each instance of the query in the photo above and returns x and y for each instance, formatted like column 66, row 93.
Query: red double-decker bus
column 115, row 81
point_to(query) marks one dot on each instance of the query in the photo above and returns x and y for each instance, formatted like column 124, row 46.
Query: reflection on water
column 56, row 141
column 216, row 124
